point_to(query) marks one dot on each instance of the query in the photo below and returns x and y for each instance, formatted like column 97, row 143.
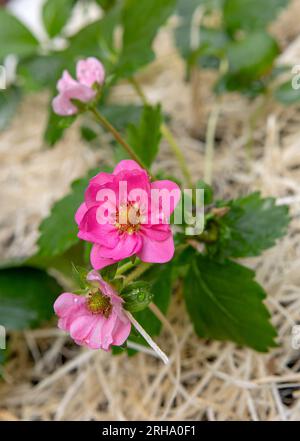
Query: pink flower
column 88, row 72
column 98, row 320
column 123, row 223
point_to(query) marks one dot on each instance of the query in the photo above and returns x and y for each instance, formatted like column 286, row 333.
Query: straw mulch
column 49, row 378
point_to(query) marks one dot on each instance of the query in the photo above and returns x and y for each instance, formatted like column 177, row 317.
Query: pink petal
column 121, row 332
column 98, row 262
column 90, row 71
column 157, row 252
column 92, row 231
column 156, row 232
column 80, row 213
column 82, row 326
column 169, row 188
column 61, row 105
column 128, row 165
column 66, row 302
column 65, row 82
column 128, row 245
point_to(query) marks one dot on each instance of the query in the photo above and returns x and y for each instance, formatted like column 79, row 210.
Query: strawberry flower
column 125, row 222
column 89, row 73
column 96, row 320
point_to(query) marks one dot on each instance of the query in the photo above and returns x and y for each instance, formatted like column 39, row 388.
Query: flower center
column 97, row 303
column 129, row 218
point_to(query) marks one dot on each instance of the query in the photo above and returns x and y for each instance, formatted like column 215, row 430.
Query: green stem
column 167, row 134
column 126, row 267
column 137, row 272
column 107, row 125
column 210, row 143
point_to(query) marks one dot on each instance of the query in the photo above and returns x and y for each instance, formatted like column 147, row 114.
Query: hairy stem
column 167, row 134
column 118, row 137
column 137, row 272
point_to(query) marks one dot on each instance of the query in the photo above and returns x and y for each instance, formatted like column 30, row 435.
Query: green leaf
column 253, row 56
column 15, row 37
column 59, row 229
column 37, row 72
column 106, row 4
column 160, row 278
column 56, row 126
column 56, row 14
column 26, row 297
column 9, row 100
column 185, row 10
column 250, row 15
column 208, row 191
column 141, row 21
column 252, row 225
column 96, row 39
column 286, row 94
column 122, row 115
column 145, row 138
column 251, row 61
column 225, row 303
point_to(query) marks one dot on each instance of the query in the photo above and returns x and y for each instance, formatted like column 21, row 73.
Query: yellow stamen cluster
column 97, row 303
column 129, row 219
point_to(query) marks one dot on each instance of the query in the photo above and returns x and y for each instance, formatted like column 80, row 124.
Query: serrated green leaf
column 122, row 115
column 56, row 14
column 251, row 15
column 56, row 126
column 9, row 100
column 141, row 20
column 145, row 138
column 252, row 225
column 26, row 297
column 15, row 37
column 58, row 232
column 225, row 303
column 286, row 94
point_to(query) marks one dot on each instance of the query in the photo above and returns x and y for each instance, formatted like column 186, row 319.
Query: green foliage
column 252, row 225
column 137, row 296
column 15, row 37
column 58, row 232
column 37, row 72
column 225, row 303
column 252, row 56
column 141, row 20
column 145, row 138
column 26, row 297
column 286, row 94
column 121, row 116
column 9, row 100
column 160, row 277
column 185, row 10
column 56, row 126
column 251, row 15
column 56, row 14
column 106, row 4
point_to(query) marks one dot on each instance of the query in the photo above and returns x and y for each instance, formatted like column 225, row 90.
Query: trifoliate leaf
column 26, row 297
column 252, row 225
column 225, row 303
column 145, row 138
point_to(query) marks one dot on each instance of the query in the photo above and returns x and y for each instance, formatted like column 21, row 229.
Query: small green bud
column 137, row 296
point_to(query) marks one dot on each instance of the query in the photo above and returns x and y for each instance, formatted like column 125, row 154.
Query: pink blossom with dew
column 89, row 72
column 96, row 320
column 123, row 224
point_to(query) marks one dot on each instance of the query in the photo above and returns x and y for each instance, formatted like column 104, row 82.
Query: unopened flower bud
column 137, row 296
